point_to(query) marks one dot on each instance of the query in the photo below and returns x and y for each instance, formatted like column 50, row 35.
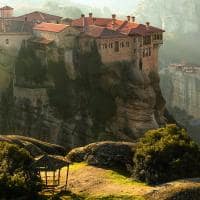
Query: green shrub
column 29, row 67
column 16, row 178
column 166, row 154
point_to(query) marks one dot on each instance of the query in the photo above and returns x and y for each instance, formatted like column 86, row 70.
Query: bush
column 16, row 179
column 166, row 154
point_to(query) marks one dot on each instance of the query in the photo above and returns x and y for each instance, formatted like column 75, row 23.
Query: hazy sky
column 122, row 6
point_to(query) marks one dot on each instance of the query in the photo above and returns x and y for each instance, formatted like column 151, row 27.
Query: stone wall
column 107, row 51
column 10, row 41
column 33, row 95
column 10, row 44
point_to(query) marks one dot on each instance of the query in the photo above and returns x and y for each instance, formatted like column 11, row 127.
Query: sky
column 122, row 6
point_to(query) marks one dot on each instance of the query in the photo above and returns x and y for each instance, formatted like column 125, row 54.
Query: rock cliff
column 182, row 94
column 70, row 98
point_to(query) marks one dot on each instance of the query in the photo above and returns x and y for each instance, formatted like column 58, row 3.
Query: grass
column 120, row 179
column 77, row 166
column 124, row 197
column 110, row 177
column 70, row 196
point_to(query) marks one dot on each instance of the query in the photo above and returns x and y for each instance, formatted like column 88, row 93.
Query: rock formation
column 78, row 102
column 33, row 146
column 181, row 91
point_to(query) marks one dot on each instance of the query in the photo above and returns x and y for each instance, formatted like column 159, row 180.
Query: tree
column 16, row 178
column 166, row 154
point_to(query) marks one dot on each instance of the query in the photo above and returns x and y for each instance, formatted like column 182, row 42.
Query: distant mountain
column 181, row 21
column 173, row 16
column 70, row 8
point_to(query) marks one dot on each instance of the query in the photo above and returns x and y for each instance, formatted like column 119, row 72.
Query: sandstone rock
column 35, row 147
column 112, row 155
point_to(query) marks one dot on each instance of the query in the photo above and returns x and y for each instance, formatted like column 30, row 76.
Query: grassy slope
column 87, row 182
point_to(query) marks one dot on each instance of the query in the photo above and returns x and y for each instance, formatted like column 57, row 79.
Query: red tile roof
column 124, row 27
column 37, row 16
column 91, row 21
column 102, row 32
column 50, row 27
column 6, row 8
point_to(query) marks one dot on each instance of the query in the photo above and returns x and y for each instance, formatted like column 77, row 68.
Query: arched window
column 7, row 41
column 149, row 51
column 141, row 64
column 116, row 46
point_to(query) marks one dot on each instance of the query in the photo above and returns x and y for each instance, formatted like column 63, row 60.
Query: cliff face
column 71, row 98
column 182, row 94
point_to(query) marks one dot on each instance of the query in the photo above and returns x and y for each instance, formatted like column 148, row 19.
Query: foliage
column 166, row 154
column 29, row 67
column 62, row 97
column 100, row 103
column 15, row 177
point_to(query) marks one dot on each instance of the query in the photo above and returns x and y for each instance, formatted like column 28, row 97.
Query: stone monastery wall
column 13, row 40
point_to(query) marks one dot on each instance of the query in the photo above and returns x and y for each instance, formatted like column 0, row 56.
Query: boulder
column 112, row 155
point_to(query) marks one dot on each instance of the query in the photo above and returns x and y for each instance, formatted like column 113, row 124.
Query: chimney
column 114, row 16
column 113, row 19
column 147, row 25
column 133, row 19
column 83, row 21
column 90, row 15
column 128, row 18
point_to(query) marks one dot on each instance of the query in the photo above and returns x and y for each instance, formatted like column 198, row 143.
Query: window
column 122, row 44
column 141, row 64
column 116, row 46
column 149, row 51
column 111, row 45
column 134, row 40
column 135, row 51
column 144, row 53
column 7, row 41
column 106, row 46
column 147, row 40
column 127, row 44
